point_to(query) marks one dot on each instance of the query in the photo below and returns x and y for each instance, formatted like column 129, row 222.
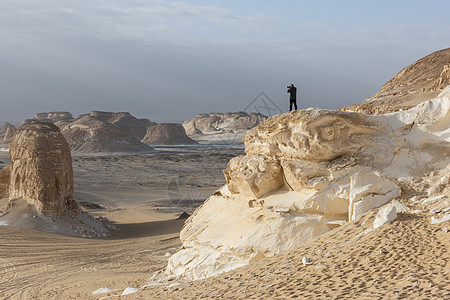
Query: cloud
column 152, row 22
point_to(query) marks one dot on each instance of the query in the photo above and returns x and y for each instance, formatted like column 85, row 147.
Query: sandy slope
column 407, row 259
column 39, row 265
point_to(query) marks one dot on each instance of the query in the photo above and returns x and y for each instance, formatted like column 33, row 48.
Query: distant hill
column 167, row 134
column 99, row 131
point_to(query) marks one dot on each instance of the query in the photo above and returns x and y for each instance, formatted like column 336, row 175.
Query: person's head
column 292, row 85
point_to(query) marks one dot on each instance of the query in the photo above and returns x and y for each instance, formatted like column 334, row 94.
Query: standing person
column 292, row 90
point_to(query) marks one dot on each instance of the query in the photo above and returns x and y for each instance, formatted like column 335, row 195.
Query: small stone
column 306, row 260
column 445, row 230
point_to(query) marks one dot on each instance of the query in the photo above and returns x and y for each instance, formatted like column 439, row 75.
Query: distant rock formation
column 7, row 131
column 41, row 169
column 136, row 127
column 167, row 134
column 97, row 132
column 59, row 118
column 306, row 172
column 421, row 81
column 108, row 132
column 5, row 175
column 232, row 122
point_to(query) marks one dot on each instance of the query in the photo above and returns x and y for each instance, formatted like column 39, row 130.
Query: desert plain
column 142, row 195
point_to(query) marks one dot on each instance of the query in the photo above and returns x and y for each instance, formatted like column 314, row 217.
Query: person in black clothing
column 292, row 90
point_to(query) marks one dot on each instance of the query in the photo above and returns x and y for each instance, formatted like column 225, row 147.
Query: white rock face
column 234, row 122
column 304, row 173
column 385, row 215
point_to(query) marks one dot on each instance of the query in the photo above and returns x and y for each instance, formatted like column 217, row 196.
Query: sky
column 169, row 60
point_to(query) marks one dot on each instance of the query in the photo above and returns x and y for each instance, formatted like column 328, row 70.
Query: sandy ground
column 407, row 259
column 140, row 194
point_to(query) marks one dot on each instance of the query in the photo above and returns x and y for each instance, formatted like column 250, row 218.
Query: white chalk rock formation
column 105, row 132
column 59, row 118
column 41, row 169
column 235, row 122
column 7, row 131
column 304, row 173
column 386, row 215
column 167, row 134
column 136, row 127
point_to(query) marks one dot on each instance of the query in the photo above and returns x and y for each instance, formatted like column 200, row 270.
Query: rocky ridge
column 308, row 172
column 100, row 132
column 421, row 81
column 106, row 132
column 232, row 122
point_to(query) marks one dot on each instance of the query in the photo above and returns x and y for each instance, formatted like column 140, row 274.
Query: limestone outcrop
column 7, row 131
column 421, row 81
column 41, row 169
column 106, row 132
column 306, row 172
column 59, row 118
column 167, row 134
column 232, row 122
column 136, row 127
column 5, row 175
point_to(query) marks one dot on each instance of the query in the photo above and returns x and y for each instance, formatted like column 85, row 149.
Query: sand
column 142, row 195
column 407, row 259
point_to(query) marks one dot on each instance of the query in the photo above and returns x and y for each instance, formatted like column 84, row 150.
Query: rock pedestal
column 41, row 169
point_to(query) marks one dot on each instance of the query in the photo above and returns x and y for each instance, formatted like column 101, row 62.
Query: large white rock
column 385, row 215
column 305, row 173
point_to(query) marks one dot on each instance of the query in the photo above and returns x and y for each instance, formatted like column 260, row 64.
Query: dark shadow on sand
column 147, row 229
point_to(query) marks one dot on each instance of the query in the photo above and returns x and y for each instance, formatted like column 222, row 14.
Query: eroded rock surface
column 232, row 122
column 5, row 176
column 41, row 169
column 7, row 131
column 306, row 172
column 421, row 81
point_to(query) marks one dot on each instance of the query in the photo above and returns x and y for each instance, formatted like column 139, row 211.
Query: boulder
column 41, row 169
column 386, row 215
column 253, row 176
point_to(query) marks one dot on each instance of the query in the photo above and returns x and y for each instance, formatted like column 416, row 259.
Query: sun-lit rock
column 41, row 169
column 305, row 173
column 386, row 215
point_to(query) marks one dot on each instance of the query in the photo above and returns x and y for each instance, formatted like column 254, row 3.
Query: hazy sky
column 169, row 60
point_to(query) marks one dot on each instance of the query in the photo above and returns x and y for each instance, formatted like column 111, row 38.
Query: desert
column 313, row 203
